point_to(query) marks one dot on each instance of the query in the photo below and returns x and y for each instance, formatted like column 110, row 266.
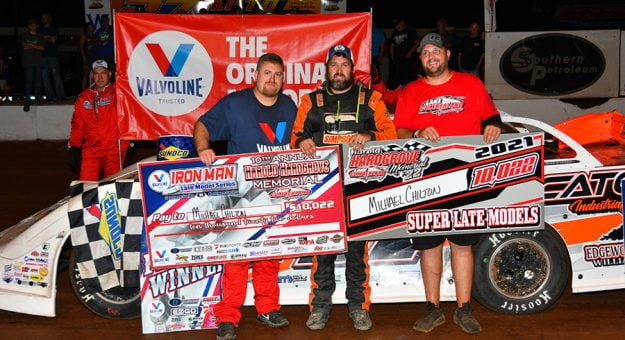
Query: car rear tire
column 114, row 303
column 520, row 273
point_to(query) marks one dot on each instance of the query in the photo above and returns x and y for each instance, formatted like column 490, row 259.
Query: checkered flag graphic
column 106, row 220
column 410, row 145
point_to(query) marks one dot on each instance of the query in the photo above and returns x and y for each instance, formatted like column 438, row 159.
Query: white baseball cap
column 100, row 63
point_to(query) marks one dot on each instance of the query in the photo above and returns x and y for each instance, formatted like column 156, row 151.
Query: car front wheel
column 114, row 303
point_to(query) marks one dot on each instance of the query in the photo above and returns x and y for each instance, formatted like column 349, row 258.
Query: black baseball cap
column 432, row 39
column 340, row 49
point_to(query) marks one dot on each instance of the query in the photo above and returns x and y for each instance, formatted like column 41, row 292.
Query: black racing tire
column 520, row 273
column 114, row 303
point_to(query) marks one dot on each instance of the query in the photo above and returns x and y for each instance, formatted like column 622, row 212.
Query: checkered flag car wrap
column 411, row 145
column 106, row 221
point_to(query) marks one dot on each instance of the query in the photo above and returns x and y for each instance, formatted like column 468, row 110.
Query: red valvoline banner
column 172, row 68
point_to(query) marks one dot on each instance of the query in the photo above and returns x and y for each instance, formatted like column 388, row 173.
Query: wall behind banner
column 557, row 60
column 553, row 64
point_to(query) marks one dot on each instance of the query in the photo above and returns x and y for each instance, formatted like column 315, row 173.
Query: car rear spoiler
column 595, row 128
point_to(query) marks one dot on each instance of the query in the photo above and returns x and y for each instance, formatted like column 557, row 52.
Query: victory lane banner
column 459, row 185
column 243, row 207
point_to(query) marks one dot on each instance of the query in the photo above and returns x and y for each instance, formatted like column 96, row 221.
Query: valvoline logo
column 174, row 67
column 273, row 135
column 157, row 308
column 159, row 180
column 170, row 73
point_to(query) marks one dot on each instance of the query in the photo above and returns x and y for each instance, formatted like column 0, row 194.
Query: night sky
column 70, row 13
column 513, row 15
column 459, row 14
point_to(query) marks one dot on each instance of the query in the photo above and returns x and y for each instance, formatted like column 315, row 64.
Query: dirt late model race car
column 515, row 273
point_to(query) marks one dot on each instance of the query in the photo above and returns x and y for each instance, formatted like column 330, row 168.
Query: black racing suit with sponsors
column 328, row 119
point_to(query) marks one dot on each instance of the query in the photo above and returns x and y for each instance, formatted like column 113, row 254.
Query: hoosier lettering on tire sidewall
column 115, row 303
column 520, row 273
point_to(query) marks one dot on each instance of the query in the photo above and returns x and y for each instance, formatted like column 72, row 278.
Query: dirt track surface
column 35, row 175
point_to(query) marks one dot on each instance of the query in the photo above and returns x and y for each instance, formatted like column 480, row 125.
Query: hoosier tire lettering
column 520, row 273
column 115, row 303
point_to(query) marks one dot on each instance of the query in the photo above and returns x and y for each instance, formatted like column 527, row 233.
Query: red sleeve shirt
column 455, row 108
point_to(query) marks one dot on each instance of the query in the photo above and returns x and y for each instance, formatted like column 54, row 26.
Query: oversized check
column 243, row 207
column 414, row 187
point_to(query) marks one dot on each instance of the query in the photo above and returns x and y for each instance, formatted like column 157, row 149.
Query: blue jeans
column 51, row 68
column 33, row 82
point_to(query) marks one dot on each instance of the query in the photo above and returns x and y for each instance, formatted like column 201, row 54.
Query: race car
column 515, row 273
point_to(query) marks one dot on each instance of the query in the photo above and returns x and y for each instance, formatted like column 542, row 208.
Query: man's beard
column 442, row 66
column 268, row 91
column 339, row 85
